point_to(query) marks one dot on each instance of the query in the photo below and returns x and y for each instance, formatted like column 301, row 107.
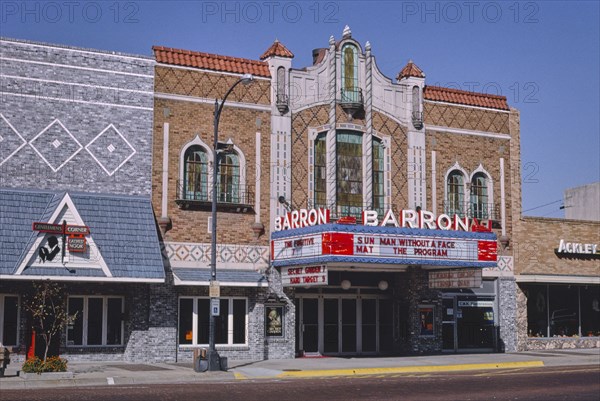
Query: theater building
column 75, row 153
column 558, row 276
column 392, row 207
column 357, row 215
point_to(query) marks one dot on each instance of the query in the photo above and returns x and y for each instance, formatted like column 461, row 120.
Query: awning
column 227, row 278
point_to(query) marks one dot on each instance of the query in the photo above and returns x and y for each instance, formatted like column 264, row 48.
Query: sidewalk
column 121, row 373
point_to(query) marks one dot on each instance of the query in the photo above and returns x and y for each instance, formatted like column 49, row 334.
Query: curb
column 408, row 369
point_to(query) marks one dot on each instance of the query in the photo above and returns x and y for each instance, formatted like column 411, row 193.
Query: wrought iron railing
column 481, row 211
column 351, row 96
column 282, row 102
column 238, row 195
column 417, row 119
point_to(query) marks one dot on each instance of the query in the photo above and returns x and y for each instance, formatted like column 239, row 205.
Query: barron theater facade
column 392, row 207
column 357, row 214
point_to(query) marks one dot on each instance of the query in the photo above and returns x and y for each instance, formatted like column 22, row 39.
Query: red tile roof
column 410, row 70
column 277, row 49
column 215, row 62
column 448, row 95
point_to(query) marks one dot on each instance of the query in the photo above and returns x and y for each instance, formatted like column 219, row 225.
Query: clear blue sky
column 543, row 55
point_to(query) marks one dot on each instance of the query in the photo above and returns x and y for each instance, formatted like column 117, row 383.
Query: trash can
column 200, row 362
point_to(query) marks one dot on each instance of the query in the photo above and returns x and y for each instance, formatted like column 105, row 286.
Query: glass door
column 348, row 325
column 448, row 326
column 309, row 325
column 369, row 325
column 331, row 326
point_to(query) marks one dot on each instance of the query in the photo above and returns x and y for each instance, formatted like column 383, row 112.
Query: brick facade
column 537, row 239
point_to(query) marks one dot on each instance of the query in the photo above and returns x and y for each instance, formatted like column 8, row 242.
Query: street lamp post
column 213, row 358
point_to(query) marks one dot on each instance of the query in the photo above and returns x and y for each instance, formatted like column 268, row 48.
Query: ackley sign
column 416, row 237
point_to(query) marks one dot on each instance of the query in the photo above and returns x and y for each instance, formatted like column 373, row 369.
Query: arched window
column 350, row 90
column 195, row 174
column 378, row 176
column 281, row 98
column 349, row 173
column 479, row 197
column 416, row 101
column 455, row 187
column 320, row 171
column 228, row 182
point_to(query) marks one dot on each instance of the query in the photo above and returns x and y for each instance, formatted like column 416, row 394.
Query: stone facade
column 80, row 120
column 75, row 119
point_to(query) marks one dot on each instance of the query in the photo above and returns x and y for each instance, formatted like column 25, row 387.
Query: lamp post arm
column 219, row 108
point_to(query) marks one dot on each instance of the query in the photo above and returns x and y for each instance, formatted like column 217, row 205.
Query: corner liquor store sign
column 376, row 242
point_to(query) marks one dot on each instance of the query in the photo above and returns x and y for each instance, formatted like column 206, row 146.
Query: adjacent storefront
column 559, row 285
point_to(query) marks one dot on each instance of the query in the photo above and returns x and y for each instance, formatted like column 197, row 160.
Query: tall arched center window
column 479, row 196
column 378, row 176
column 228, row 182
column 456, row 193
column 281, row 85
column 196, row 174
column 320, row 172
column 350, row 91
column 349, row 173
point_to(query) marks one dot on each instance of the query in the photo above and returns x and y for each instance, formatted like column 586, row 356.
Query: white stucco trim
column 211, row 101
column 553, row 279
column 462, row 131
column 87, row 279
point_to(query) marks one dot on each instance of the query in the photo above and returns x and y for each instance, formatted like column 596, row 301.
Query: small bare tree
column 47, row 308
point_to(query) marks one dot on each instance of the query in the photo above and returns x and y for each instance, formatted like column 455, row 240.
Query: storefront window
column 562, row 310
column 99, row 321
column 230, row 325
column 590, row 310
column 9, row 321
column 537, row 310
column 186, row 308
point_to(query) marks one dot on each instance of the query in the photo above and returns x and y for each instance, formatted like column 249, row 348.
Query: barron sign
column 422, row 219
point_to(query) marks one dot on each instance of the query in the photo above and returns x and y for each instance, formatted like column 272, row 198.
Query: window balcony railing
column 282, row 101
column 480, row 211
column 417, row 119
column 351, row 99
column 238, row 199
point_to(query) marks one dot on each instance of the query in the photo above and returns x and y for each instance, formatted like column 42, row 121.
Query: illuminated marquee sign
column 385, row 246
column 405, row 219
column 304, row 276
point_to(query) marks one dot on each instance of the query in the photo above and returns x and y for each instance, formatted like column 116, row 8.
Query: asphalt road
column 544, row 384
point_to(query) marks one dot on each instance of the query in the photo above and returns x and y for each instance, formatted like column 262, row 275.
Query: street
column 547, row 383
